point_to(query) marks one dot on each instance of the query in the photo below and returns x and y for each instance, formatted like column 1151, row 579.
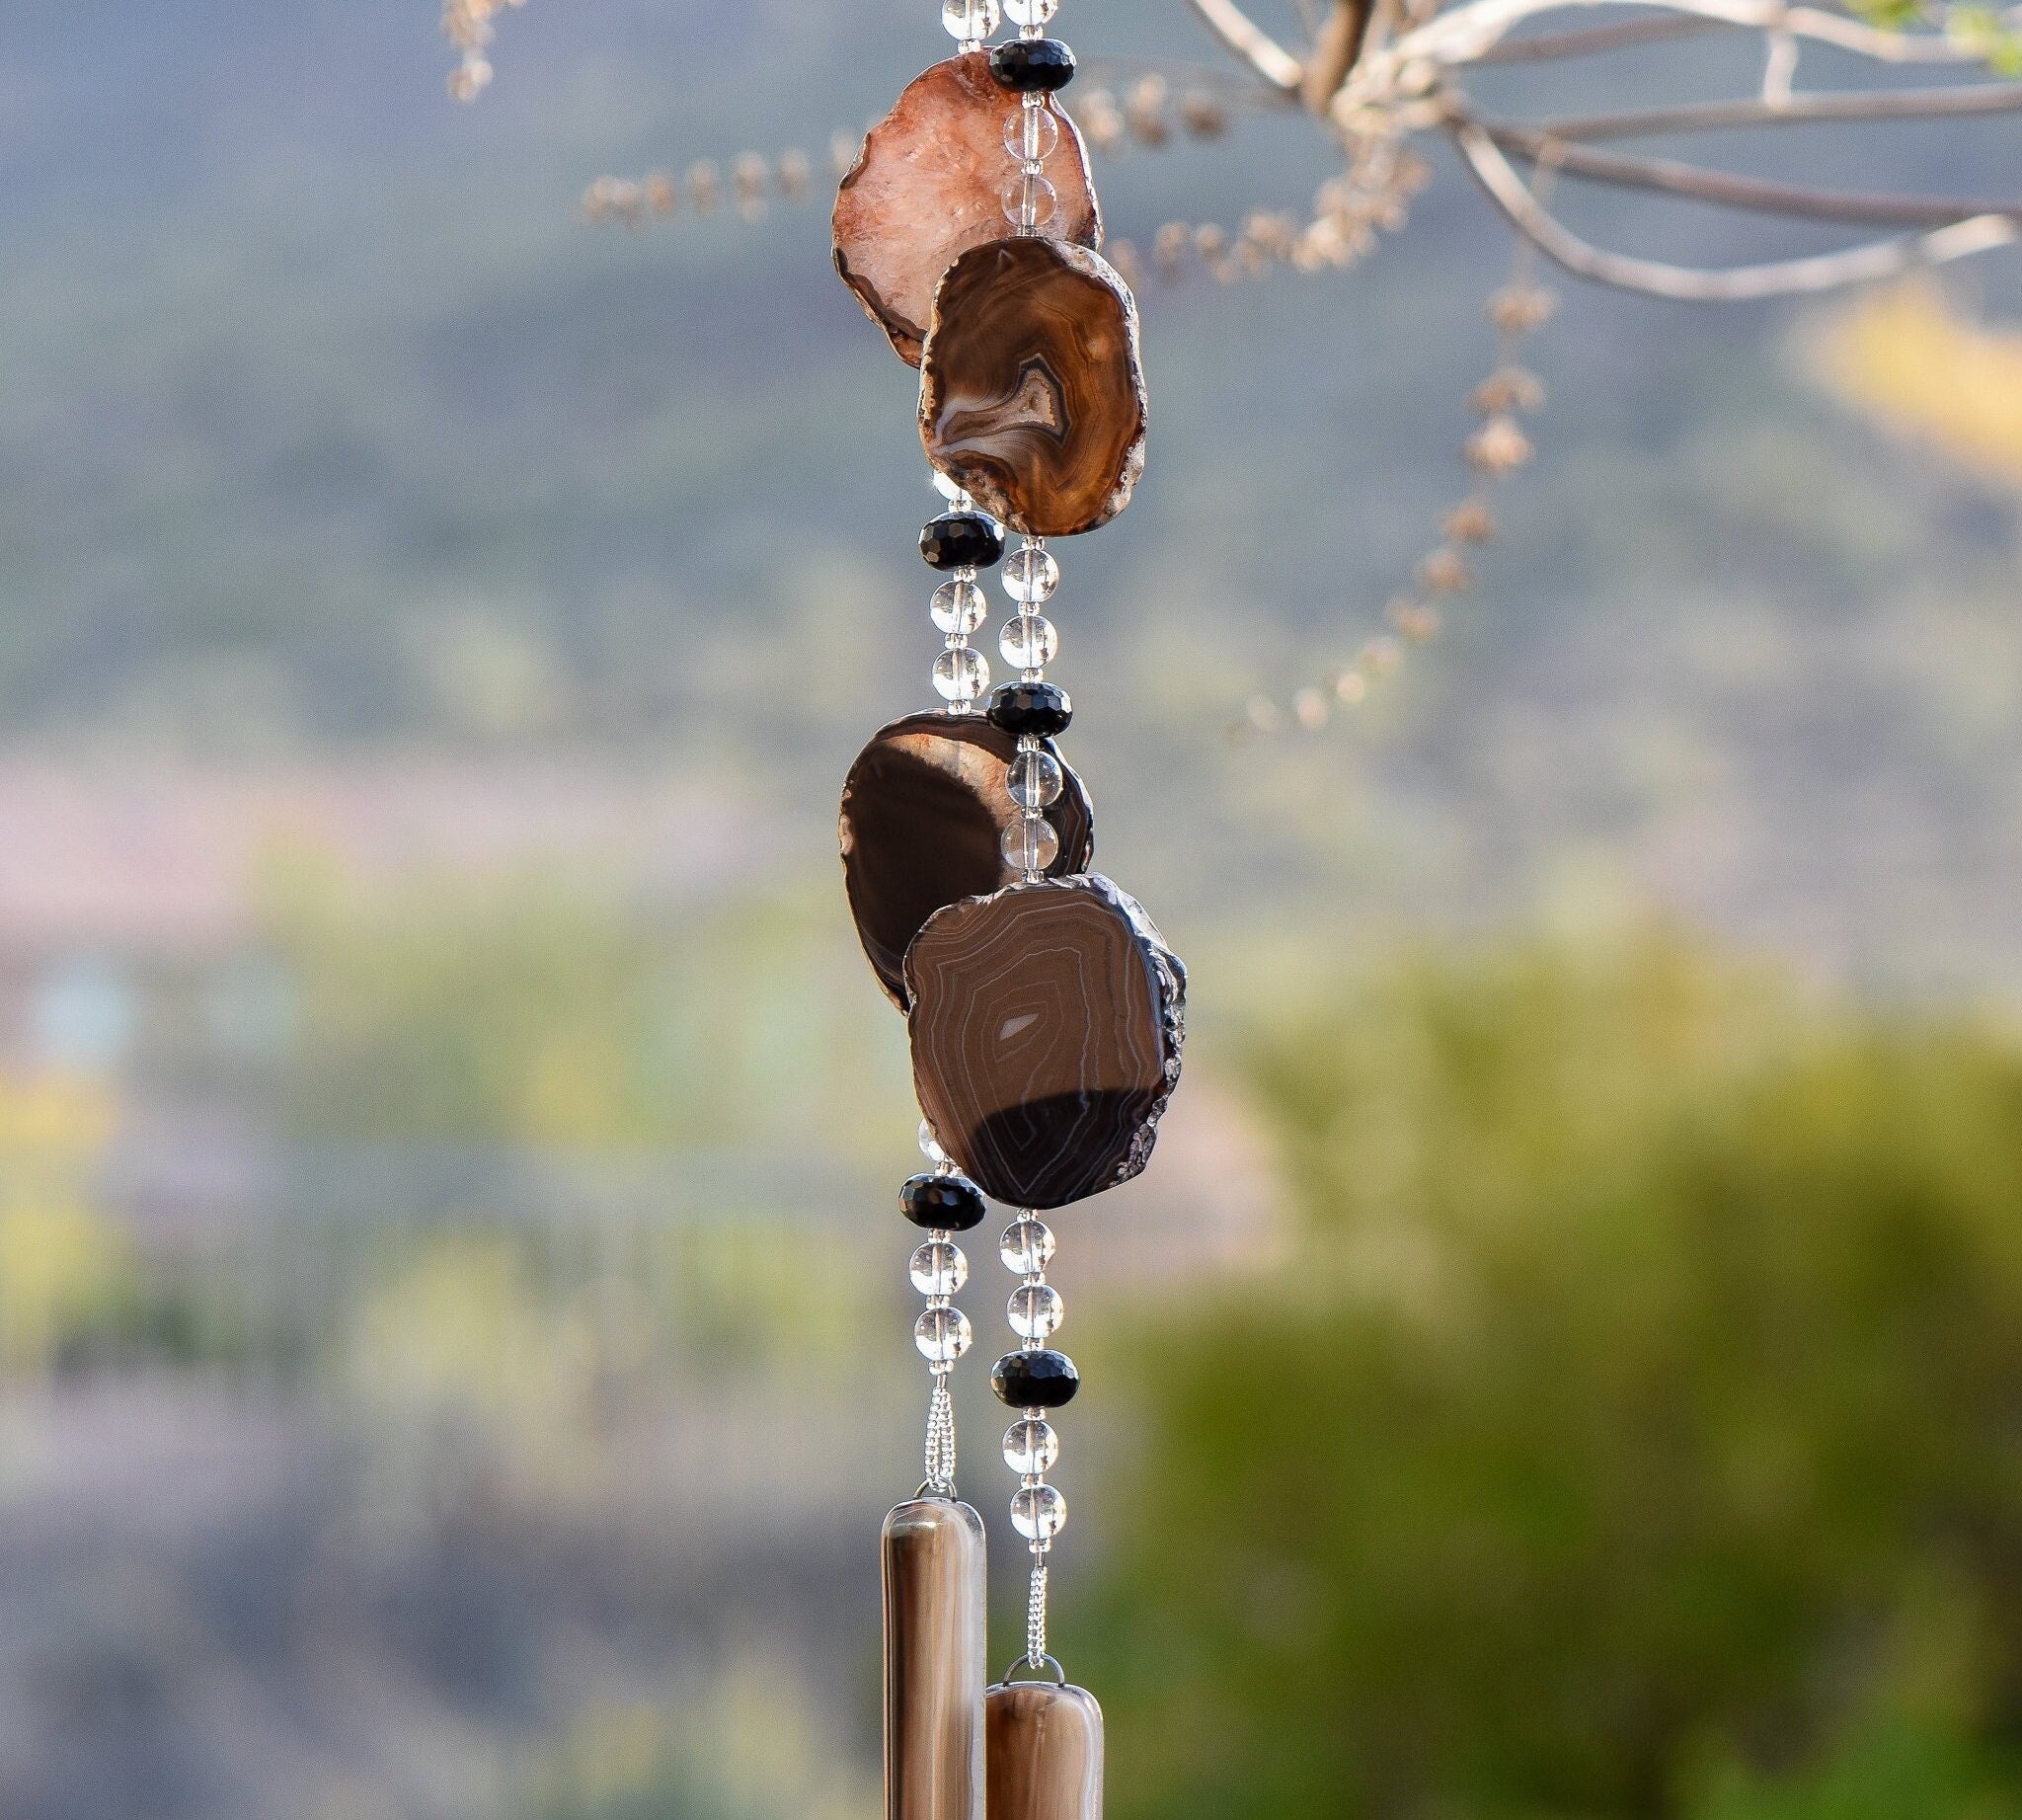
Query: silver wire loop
column 1059, row 1673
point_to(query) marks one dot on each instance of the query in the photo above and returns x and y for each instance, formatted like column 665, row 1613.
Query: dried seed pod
column 1443, row 572
column 1499, row 447
column 1102, row 121
column 1470, row 521
column 927, row 187
column 1508, row 388
column 1031, row 389
column 1202, row 115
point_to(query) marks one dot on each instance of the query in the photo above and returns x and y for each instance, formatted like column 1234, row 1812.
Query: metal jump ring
column 1026, row 1661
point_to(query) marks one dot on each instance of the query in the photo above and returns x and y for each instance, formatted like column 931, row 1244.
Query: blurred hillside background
column 1563, row 1360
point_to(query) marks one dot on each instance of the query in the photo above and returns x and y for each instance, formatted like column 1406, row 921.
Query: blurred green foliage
column 1633, row 1431
column 552, row 1012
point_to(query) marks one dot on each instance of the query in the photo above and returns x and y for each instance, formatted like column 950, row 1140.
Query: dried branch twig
column 1257, row 48
column 1739, row 283
column 1598, row 41
column 1800, row 109
column 1336, row 46
column 1795, row 201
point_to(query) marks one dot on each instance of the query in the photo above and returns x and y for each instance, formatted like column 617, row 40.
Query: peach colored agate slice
column 927, row 186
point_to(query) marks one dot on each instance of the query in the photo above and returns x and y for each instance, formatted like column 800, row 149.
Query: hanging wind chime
column 1044, row 1011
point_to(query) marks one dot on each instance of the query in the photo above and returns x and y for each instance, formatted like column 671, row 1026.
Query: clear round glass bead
column 1039, row 1513
column 968, row 20
column 1029, row 642
column 1035, row 1311
column 950, row 489
column 1034, row 781
column 1027, row 1247
column 1031, row 12
column 1030, row 1446
column 942, row 1335
column 1030, row 844
column 1031, row 574
column 960, row 606
column 1031, row 134
column 1029, row 200
column 961, row 675
column 930, row 1145
column 938, row 1268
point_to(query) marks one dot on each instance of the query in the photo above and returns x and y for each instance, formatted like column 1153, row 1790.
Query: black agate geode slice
column 924, row 811
column 1047, row 1023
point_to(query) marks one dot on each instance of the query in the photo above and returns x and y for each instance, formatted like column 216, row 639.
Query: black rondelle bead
column 1024, row 64
column 1035, row 1379
column 962, row 541
column 942, row 1203
column 1031, row 707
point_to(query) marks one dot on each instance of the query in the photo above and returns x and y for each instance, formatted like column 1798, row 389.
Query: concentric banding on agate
column 1046, row 1022
column 1032, row 385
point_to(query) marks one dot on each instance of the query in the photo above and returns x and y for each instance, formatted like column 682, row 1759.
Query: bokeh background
column 1566, row 1358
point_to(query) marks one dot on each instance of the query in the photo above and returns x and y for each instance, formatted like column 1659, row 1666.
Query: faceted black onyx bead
column 962, row 541
column 1031, row 707
column 942, row 1203
column 1035, row 1379
column 1024, row 64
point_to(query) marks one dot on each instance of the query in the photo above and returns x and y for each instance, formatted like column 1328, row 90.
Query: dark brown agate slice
column 928, row 185
column 1032, row 391
column 924, row 809
column 1047, row 1023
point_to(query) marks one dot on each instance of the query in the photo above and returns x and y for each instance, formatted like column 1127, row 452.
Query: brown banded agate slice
column 1047, row 1023
column 924, row 810
column 927, row 186
column 1044, row 1747
column 1031, row 389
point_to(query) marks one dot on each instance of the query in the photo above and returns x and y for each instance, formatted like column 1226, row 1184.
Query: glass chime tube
column 936, row 1659
column 1044, row 1752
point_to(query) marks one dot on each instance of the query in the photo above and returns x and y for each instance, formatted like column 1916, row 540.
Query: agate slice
column 1032, row 391
column 928, row 185
column 1047, row 1023
column 934, row 1661
column 1044, row 1752
column 923, row 812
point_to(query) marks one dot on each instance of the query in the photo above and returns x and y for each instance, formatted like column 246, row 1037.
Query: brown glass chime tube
column 935, row 1661
column 1044, row 1011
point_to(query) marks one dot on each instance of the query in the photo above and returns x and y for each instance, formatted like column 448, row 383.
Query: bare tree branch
column 1257, row 48
column 1464, row 34
column 1794, row 200
column 1598, row 41
column 1800, row 109
column 1739, row 283
column 1335, row 45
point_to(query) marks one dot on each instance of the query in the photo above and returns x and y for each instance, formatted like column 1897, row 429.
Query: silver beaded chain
column 959, row 607
column 1038, row 1511
column 1029, row 641
column 942, row 1333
